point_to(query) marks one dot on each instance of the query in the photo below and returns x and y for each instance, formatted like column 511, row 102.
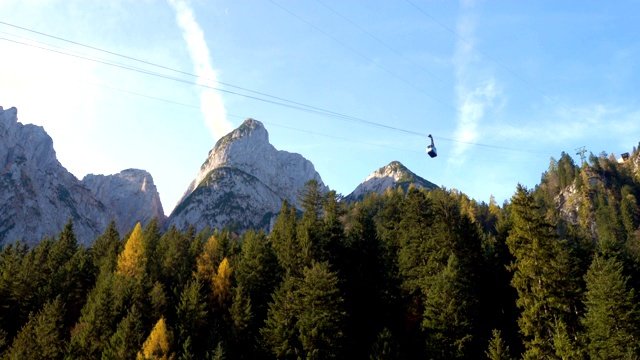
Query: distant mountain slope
column 243, row 182
column 394, row 175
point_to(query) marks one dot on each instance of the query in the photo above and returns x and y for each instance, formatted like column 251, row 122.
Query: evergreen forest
column 553, row 273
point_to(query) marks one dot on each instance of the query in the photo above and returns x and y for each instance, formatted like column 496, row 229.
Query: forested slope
column 422, row 274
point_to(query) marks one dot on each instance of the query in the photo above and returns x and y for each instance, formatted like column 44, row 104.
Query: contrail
column 211, row 106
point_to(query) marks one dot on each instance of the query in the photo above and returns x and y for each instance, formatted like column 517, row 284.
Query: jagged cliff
column 129, row 196
column 243, row 182
column 38, row 196
column 393, row 176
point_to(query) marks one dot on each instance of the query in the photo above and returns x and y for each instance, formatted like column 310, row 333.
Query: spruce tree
column 279, row 332
column 127, row 340
column 43, row 336
column 258, row 273
column 96, row 325
column 106, row 247
column 241, row 321
column 385, row 347
column 498, row 350
column 611, row 313
column 448, row 314
column 293, row 250
column 321, row 316
column 541, row 275
column 192, row 315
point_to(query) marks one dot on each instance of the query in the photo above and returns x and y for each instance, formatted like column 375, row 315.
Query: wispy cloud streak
column 475, row 91
column 211, row 105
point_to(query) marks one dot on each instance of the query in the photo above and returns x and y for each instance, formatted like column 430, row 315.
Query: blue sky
column 503, row 86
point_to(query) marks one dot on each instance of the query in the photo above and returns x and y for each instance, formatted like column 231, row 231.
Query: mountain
column 395, row 175
column 38, row 196
column 130, row 197
column 243, row 182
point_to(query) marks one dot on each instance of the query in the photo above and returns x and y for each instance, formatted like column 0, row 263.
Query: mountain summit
column 243, row 182
column 393, row 176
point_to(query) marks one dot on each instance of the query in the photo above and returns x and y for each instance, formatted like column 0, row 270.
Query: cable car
column 431, row 149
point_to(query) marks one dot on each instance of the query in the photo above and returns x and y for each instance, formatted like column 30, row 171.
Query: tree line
column 550, row 274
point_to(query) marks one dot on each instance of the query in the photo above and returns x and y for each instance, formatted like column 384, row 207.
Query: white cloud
column 572, row 126
column 212, row 107
column 475, row 90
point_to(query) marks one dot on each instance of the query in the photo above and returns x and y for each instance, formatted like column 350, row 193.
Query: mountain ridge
column 241, row 184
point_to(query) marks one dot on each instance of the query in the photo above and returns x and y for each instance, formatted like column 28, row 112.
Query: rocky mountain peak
column 247, row 148
column 243, row 174
column 24, row 143
column 38, row 195
column 250, row 128
column 393, row 175
column 394, row 170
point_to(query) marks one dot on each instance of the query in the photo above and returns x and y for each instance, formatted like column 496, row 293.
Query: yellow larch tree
column 221, row 284
column 132, row 260
column 209, row 259
column 156, row 347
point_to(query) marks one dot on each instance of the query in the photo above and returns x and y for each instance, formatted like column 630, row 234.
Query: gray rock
column 243, row 182
column 38, row 196
column 130, row 197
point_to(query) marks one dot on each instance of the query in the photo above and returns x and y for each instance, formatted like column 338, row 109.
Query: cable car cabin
column 431, row 149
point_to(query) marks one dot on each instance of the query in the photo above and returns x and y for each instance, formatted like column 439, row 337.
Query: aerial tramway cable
column 283, row 102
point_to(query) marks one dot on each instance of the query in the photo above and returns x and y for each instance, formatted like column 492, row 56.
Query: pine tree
column 498, row 350
column 192, row 316
column 385, row 347
column 241, row 319
column 19, row 281
column 611, row 315
column 416, row 245
column 279, row 333
column 541, row 275
column 97, row 323
column 126, row 341
column 366, row 285
column 447, row 318
column 133, row 259
column 174, row 257
column 292, row 253
column 257, row 271
column 43, row 335
column 106, row 247
column 629, row 210
column 321, row 316
column 565, row 346
column 157, row 345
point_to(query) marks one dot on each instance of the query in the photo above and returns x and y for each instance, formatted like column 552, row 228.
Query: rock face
column 393, row 176
column 243, row 182
column 38, row 195
column 129, row 196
